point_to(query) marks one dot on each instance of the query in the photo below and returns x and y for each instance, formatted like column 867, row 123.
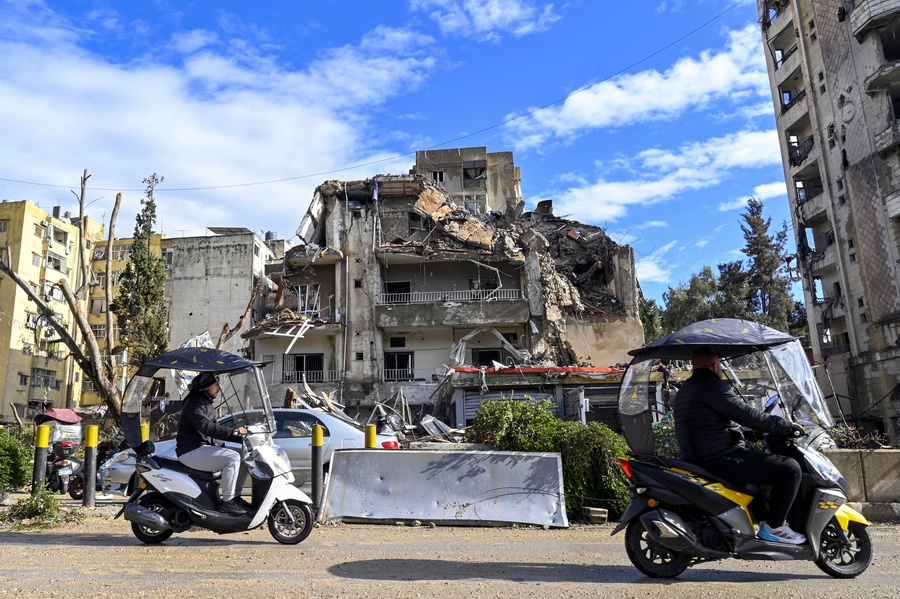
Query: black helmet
column 204, row 380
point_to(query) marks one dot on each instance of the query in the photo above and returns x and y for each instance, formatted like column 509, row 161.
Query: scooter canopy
column 728, row 337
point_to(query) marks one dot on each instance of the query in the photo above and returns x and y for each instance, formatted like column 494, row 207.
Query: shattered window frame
column 392, row 369
column 308, row 298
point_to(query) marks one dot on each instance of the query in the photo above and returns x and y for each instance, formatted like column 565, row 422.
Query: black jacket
column 707, row 415
column 197, row 425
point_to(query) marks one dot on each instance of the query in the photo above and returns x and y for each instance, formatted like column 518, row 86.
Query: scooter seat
column 177, row 466
column 750, row 489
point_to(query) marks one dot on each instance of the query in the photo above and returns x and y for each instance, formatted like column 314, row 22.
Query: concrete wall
column 872, row 474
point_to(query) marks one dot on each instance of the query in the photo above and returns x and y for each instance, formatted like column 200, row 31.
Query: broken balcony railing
column 433, row 297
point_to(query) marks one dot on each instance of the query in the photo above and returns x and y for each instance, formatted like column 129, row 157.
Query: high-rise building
column 833, row 70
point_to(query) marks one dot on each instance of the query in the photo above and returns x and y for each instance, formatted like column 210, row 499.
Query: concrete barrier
column 873, row 474
column 446, row 487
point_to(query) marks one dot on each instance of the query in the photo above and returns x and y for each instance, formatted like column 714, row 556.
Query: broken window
column 399, row 366
column 41, row 377
column 415, row 223
column 56, row 262
column 53, row 292
column 397, row 291
column 437, row 176
column 397, row 342
column 168, row 254
column 4, row 224
column 303, row 367
column 476, row 203
column 121, row 251
column 99, row 331
column 308, row 298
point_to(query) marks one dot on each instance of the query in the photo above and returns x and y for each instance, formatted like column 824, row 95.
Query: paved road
column 99, row 557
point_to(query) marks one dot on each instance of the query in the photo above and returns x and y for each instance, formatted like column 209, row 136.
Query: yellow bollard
column 91, row 435
column 145, row 432
column 41, row 454
column 317, row 476
column 89, row 468
column 370, row 436
column 43, row 436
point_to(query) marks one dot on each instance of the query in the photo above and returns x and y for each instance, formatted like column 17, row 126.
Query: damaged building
column 436, row 287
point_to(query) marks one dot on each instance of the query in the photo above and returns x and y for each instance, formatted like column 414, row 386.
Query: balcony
column 785, row 56
column 310, row 376
column 798, row 151
column 889, row 138
column 421, row 375
column 793, row 101
column 870, row 14
column 434, row 297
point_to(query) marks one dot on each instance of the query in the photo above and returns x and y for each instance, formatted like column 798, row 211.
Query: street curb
column 887, row 513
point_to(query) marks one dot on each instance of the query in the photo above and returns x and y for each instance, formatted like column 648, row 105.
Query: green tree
column 651, row 319
column 770, row 299
column 140, row 307
column 734, row 289
column 692, row 301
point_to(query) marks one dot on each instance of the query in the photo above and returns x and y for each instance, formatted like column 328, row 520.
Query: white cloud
column 668, row 173
column 488, row 19
column 223, row 115
column 690, row 84
column 653, row 224
column 760, row 192
column 653, row 269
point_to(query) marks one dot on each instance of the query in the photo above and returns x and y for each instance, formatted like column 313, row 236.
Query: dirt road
column 99, row 557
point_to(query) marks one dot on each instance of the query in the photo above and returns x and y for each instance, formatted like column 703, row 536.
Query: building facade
column 833, row 70
column 38, row 372
column 435, row 287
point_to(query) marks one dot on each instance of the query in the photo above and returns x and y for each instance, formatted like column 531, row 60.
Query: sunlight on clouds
column 487, row 19
column 653, row 269
column 760, row 192
column 691, row 83
column 668, row 173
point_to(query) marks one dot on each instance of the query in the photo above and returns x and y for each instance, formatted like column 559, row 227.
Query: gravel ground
column 99, row 557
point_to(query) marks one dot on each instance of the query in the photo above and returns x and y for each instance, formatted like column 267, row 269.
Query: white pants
column 212, row 458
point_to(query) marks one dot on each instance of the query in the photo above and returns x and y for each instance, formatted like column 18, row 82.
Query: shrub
column 850, row 437
column 591, row 474
column 16, row 460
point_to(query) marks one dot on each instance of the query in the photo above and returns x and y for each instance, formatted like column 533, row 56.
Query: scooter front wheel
column 845, row 558
column 290, row 521
column 650, row 557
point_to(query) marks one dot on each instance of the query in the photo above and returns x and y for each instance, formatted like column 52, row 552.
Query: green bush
column 16, row 460
column 591, row 473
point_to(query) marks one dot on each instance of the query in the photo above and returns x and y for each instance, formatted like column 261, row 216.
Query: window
column 101, row 278
column 300, row 367
column 415, row 223
column 53, row 292
column 56, row 262
column 23, row 380
column 360, row 356
column 35, row 259
column 99, row 331
column 39, row 231
column 168, row 254
column 3, row 225
column 859, row 302
column 476, row 204
column 357, row 283
column 480, row 284
column 98, row 305
column 31, row 320
column 121, row 251
column 296, row 424
column 487, row 357
column 308, row 298
column 398, row 366
column 44, row 378
column 398, row 342
column 437, row 176
column 59, row 238
column 256, row 250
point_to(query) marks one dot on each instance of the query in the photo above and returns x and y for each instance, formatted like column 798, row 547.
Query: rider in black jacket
column 198, row 441
column 707, row 418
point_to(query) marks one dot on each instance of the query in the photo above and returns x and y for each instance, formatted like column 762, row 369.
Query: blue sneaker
column 782, row 534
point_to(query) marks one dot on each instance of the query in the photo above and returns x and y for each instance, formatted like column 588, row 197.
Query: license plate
column 64, row 472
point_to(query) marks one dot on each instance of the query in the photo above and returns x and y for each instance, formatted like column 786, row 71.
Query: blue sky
column 652, row 119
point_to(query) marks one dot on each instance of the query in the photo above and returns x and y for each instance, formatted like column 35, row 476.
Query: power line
column 438, row 145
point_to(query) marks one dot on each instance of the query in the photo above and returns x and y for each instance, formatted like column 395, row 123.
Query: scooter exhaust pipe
column 141, row 515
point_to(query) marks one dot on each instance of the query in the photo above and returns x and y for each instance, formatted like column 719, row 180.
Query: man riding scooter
column 707, row 415
column 196, row 446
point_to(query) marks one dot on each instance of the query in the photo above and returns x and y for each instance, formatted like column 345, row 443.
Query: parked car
column 293, row 434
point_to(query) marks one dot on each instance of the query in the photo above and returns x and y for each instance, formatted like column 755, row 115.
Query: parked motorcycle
column 680, row 515
column 170, row 497
column 65, row 439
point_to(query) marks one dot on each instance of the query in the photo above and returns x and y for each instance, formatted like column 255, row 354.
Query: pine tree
column 651, row 319
column 769, row 300
column 140, row 307
column 690, row 302
column 734, row 289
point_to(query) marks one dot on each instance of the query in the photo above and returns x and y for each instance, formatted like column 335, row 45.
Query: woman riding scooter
column 195, row 445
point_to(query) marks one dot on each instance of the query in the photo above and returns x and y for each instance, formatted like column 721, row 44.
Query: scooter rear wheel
column 650, row 557
column 291, row 525
column 76, row 488
column 842, row 560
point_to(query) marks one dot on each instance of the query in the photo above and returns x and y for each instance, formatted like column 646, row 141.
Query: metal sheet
column 446, row 487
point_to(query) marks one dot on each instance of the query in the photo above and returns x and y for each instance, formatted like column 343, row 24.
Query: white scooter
column 170, row 497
